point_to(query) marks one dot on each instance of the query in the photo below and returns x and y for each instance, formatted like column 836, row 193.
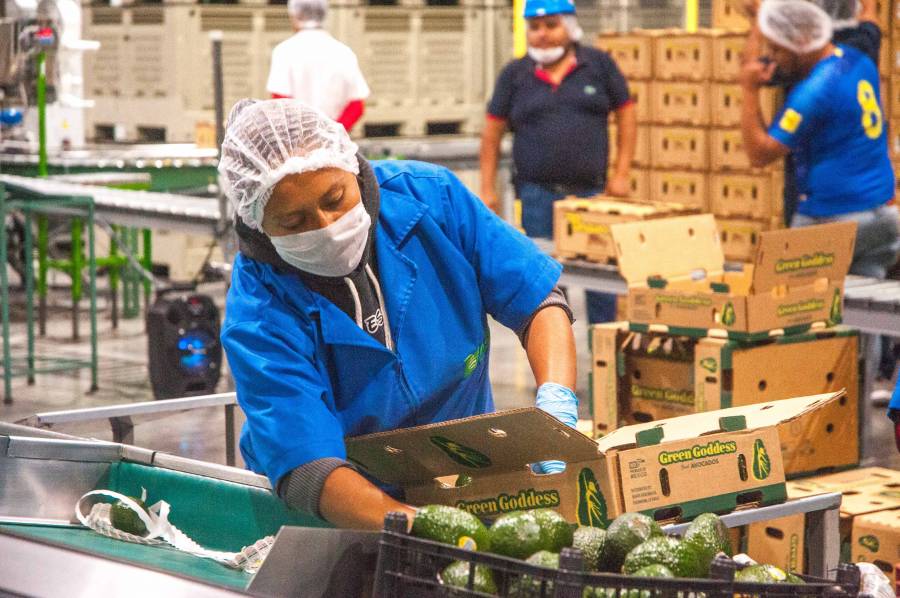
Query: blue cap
column 10, row 117
column 543, row 8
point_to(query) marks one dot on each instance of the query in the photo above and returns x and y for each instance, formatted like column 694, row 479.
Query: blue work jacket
column 307, row 376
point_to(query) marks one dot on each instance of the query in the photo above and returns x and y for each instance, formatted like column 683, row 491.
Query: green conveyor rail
column 218, row 514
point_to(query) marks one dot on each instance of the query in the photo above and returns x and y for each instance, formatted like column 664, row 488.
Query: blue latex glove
column 561, row 403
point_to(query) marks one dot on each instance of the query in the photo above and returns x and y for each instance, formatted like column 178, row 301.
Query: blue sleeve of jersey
column 282, row 395
column 798, row 116
column 514, row 276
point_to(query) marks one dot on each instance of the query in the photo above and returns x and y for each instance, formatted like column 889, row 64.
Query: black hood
column 256, row 245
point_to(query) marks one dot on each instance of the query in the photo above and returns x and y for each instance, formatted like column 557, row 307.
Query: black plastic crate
column 408, row 567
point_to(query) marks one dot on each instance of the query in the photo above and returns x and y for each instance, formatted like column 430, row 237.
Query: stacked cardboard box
column 701, row 338
column 642, row 377
column 690, row 148
column 869, row 524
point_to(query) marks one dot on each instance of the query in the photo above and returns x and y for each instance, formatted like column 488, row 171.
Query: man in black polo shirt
column 557, row 101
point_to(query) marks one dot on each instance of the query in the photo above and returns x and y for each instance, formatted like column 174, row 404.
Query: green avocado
column 761, row 574
column 123, row 518
column 591, row 541
column 523, row 533
column 623, row 535
column 528, row 586
column 451, row 526
column 456, row 574
column 681, row 558
column 709, row 536
column 654, row 571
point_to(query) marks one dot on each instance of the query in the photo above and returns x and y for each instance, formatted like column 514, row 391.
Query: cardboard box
column 708, row 462
column 727, row 152
column 894, row 138
column 581, row 226
column 734, row 374
column 780, row 542
column 679, row 147
column 755, row 196
column 640, row 93
column 641, row 150
column 680, row 103
column 727, row 14
column 675, row 270
column 727, row 99
column 726, row 55
column 678, row 55
column 639, row 182
column 741, row 236
column 680, row 186
column 876, row 539
column 865, row 491
column 638, row 377
column 632, row 52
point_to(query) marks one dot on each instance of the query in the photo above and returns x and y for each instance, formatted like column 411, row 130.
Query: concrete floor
column 199, row 434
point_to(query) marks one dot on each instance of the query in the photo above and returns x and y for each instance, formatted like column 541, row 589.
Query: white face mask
column 545, row 56
column 331, row 251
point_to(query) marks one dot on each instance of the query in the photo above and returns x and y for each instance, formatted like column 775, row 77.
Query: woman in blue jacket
column 359, row 304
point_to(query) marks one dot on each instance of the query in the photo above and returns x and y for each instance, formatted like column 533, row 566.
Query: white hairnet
column 308, row 10
column 843, row 13
column 570, row 22
column 266, row 140
column 797, row 25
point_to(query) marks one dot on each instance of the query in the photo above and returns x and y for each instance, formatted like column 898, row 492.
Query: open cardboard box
column 870, row 501
column 677, row 281
column 672, row 470
column 641, row 377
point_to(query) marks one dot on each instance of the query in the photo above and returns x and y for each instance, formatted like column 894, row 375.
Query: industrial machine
column 46, row 37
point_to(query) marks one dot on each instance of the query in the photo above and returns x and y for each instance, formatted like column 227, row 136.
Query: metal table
column 121, row 417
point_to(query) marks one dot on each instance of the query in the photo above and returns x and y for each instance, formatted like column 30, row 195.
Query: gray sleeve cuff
column 555, row 298
column 301, row 489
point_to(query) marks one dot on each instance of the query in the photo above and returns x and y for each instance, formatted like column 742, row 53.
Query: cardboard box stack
column 869, row 521
column 701, row 338
column 690, row 145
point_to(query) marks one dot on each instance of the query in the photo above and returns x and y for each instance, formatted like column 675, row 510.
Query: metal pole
column 92, row 269
column 42, row 113
column 76, row 255
column 691, row 15
column 219, row 104
column 43, row 171
column 519, row 43
column 4, row 304
column 29, row 294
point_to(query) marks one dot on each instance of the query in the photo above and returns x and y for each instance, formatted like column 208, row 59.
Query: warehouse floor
column 200, row 434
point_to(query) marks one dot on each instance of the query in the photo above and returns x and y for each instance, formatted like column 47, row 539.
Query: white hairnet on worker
column 308, row 12
column 570, row 22
column 798, row 25
column 266, row 140
column 843, row 13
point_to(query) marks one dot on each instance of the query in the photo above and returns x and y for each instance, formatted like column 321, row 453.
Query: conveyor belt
column 142, row 209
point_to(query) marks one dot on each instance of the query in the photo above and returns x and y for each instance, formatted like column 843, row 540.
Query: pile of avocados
column 633, row 544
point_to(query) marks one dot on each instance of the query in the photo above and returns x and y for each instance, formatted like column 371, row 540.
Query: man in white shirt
column 313, row 67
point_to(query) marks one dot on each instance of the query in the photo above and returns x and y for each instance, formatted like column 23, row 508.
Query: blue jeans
column 877, row 240
column 537, row 220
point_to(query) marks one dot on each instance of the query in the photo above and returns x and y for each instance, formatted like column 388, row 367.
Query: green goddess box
column 672, row 470
column 678, row 283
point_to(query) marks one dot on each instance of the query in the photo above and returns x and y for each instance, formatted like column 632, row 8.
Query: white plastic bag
column 161, row 532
